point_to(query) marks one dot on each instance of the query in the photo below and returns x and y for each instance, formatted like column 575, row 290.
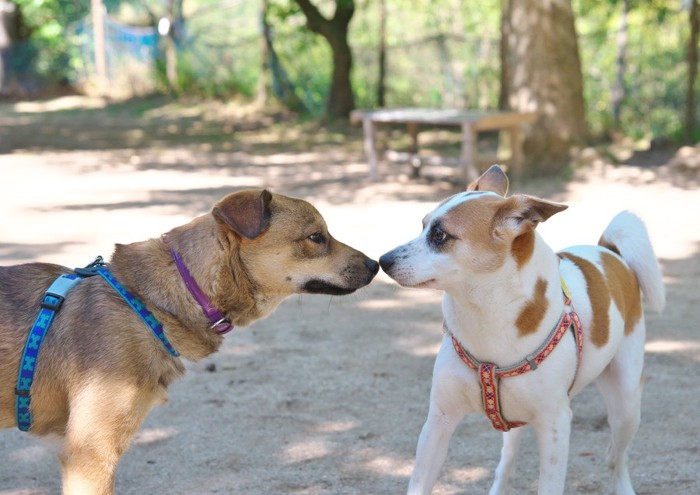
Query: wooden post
column 370, row 151
column 171, row 49
column 414, row 159
column 469, row 169
column 516, row 151
column 100, row 44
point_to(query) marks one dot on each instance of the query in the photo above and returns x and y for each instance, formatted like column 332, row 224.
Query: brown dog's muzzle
column 355, row 276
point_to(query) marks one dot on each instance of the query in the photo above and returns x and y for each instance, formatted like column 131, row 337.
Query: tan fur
column 533, row 311
column 599, row 293
column 603, row 243
column 624, row 289
column 523, row 247
column 474, row 224
column 100, row 369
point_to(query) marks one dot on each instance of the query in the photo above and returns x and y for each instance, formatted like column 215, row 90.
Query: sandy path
column 328, row 395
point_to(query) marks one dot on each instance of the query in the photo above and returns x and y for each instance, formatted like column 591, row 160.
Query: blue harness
column 50, row 305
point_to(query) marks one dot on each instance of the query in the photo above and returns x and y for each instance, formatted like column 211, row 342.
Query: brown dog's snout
column 371, row 265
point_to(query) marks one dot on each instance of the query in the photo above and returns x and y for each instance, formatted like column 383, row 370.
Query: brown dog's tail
column 627, row 236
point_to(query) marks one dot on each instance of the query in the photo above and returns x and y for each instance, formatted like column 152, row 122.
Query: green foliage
column 48, row 50
column 655, row 70
column 442, row 53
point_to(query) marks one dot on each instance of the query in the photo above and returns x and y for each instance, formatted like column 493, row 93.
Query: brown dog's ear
column 247, row 212
column 522, row 213
column 494, row 180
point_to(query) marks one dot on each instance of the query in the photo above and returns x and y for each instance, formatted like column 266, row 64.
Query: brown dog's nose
column 372, row 265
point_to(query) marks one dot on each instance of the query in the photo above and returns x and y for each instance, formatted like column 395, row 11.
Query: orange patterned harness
column 490, row 374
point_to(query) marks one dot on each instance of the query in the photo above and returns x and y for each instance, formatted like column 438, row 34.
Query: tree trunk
column 619, row 89
column 542, row 74
column 381, row 83
column 100, row 44
column 9, row 14
column 282, row 88
column 692, row 58
column 341, row 100
column 263, row 84
column 170, row 48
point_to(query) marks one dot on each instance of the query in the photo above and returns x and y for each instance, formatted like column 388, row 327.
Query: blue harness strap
column 50, row 305
column 53, row 299
column 148, row 318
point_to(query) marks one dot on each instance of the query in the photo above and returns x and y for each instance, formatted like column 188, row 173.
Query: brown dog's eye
column 318, row 238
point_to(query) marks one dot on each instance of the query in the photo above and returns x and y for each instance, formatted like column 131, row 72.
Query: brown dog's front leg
column 103, row 419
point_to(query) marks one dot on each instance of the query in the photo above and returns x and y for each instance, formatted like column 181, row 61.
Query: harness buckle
column 91, row 269
column 52, row 301
column 531, row 361
column 23, row 393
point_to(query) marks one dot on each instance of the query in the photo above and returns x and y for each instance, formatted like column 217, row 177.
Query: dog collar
column 490, row 374
column 219, row 323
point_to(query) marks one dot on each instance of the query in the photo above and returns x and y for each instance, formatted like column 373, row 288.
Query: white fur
column 481, row 309
column 628, row 233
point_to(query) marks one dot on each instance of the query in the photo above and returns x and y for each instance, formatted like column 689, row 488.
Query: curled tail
column 627, row 236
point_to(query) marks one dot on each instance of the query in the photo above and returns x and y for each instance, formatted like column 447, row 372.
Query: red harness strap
column 490, row 374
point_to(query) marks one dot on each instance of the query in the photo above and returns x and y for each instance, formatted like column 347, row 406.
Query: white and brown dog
column 508, row 349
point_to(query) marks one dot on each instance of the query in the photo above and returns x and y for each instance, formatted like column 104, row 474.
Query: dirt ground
column 327, row 395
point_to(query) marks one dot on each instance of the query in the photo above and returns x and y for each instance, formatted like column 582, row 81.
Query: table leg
column 414, row 159
column 469, row 169
column 370, row 150
column 516, row 151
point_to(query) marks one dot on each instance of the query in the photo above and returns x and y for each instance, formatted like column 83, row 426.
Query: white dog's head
column 475, row 232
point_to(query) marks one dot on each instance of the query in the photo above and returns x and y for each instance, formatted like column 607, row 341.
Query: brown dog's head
column 285, row 248
column 476, row 232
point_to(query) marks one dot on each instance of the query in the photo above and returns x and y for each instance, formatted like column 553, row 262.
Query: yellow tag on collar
column 565, row 288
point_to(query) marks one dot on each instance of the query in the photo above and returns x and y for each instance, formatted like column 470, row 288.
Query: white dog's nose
column 387, row 260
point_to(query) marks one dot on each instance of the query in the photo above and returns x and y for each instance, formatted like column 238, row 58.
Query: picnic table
column 471, row 123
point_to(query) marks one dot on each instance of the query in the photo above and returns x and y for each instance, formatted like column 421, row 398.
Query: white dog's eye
column 439, row 236
column 317, row 237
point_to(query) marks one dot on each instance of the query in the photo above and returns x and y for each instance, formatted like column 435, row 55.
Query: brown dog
column 100, row 368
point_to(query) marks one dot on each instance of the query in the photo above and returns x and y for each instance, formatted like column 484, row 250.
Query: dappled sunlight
column 335, row 426
column 32, row 453
column 305, row 451
column 326, row 392
column 240, row 349
column 421, row 346
column 60, row 104
column 672, row 346
column 383, row 464
column 469, row 475
column 153, row 435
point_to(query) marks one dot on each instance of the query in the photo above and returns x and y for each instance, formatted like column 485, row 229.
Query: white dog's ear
column 494, row 180
column 521, row 213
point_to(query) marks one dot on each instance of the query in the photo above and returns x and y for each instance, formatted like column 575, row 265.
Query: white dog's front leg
column 553, row 432
column 448, row 405
column 506, row 466
column 432, row 451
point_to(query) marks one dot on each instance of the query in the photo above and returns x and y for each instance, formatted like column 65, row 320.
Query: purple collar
column 218, row 321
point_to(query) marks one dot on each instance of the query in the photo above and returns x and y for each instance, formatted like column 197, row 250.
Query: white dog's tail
column 627, row 235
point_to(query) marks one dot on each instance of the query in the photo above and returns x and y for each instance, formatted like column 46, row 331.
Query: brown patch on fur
column 625, row 290
column 599, row 294
column 523, row 247
column 533, row 311
column 472, row 221
column 608, row 245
